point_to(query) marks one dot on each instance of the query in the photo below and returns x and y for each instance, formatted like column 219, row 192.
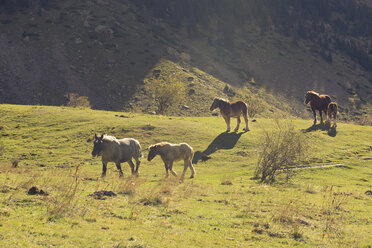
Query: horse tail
column 192, row 154
column 138, row 150
column 245, row 109
column 140, row 153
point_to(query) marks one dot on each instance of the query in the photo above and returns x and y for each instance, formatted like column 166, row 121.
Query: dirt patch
column 368, row 192
column 35, row 191
column 148, row 127
column 156, row 201
column 101, row 195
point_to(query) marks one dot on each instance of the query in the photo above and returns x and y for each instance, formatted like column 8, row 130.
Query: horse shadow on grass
column 331, row 130
column 222, row 141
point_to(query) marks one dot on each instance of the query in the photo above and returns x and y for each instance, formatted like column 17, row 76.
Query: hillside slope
column 50, row 148
column 104, row 49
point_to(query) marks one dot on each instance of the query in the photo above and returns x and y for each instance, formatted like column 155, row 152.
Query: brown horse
column 332, row 112
column 317, row 102
column 233, row 109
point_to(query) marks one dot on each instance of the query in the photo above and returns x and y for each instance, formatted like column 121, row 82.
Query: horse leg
column 166, row 170
column 237, row 124
column 186, row 164
column 171, row 168
column 321, row 116
column 131, row 166
column 119, row 168
column 246, row 122
column 327, row 116
column 227, row 120
column 314, row 117
column 138, row 162
column 334, row 120
column 104, row 168
column 192, row 169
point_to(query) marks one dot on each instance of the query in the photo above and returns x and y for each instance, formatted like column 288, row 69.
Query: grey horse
column 117, row 151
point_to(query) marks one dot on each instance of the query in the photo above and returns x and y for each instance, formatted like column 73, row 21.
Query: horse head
column 215, row 104
column 310, row 96
column 153, row 151
column 97, row 145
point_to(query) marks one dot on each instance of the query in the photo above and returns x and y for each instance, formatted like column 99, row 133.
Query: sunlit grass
column 221, row 207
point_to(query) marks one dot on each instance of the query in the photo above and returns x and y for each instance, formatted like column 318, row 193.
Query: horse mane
column 312, row 93
column 109, row 138
column 221, row 99
column 161, row 144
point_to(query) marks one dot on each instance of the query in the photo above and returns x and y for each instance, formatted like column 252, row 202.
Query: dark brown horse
column 332, row 112
column 317, row 102
column 231, row 109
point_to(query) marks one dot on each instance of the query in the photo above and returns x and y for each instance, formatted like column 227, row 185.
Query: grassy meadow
column 223, row 206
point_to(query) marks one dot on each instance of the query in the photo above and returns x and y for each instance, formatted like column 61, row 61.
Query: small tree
column 255, row 106
column 75, row 100
column 280, row 151
column 166, row 93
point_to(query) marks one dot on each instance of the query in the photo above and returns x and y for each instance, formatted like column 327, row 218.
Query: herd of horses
column 118, row 151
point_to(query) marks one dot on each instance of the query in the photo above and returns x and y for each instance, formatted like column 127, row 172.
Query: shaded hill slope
column 105, row 49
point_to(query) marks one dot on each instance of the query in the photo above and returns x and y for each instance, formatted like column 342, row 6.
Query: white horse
column 173, row 152
column 117, row 151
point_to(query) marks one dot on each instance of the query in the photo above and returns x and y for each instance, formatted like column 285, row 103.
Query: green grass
column 221, row 207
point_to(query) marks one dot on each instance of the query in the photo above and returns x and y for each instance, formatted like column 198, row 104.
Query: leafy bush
column 166, row 93
column 228, row 90
column 280, row 151
column 75, row 100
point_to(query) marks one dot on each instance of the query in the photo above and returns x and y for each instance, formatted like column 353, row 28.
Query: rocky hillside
column 104, row 49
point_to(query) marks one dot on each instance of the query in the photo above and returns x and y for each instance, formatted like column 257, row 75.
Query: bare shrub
column 161, row 194
column 65, row 202
column 77, row 101
column 166, row 93
column 332, row 212
column 289, row 216
column 365, row 120
column 129, row 187
column 15, row 162
column 2, row 149
column 226, row 180
column 281, row 150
